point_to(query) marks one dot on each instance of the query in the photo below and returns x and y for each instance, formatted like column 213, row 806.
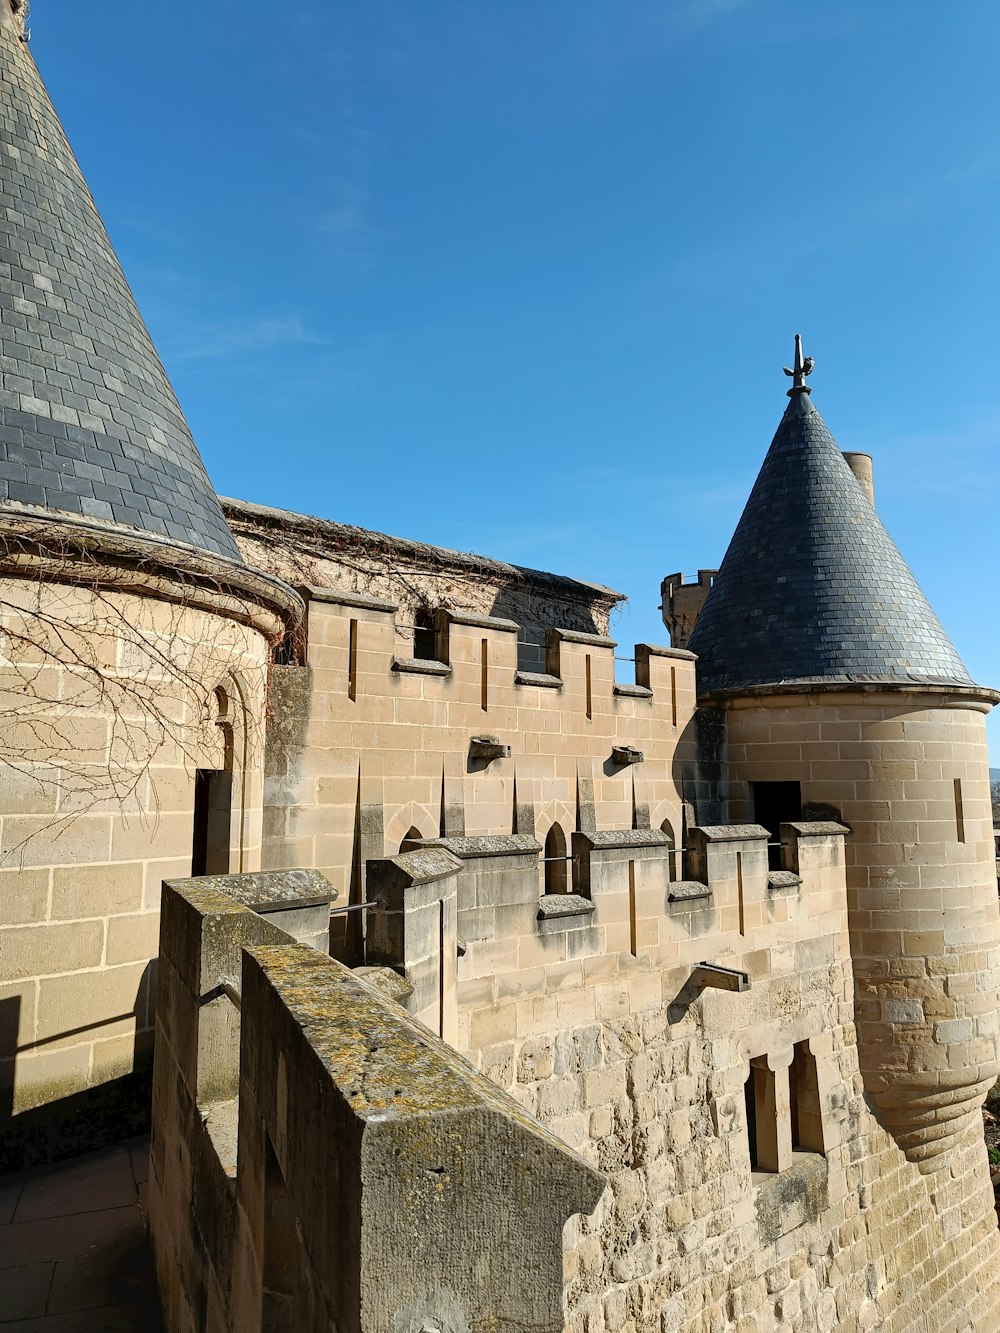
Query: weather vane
column 803, row 366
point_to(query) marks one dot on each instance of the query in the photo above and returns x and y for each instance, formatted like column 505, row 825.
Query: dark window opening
column 750, row 1097
column 412, row 837
column 286, row 653
column 424, row 645
column 213, row 803
column 774, row 804
column 674, row 858
column 804, row 1103
column 556, row 864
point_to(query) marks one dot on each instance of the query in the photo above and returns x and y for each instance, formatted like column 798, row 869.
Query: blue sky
column 519, row 277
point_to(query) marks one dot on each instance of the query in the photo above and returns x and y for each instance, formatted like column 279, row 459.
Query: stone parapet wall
column 109, row 704
column 348, row 1170
column 641, row 1068
column 368, row 746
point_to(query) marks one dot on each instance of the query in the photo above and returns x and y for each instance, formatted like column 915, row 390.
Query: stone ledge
column 558, row 906
column 732, row 832
column 657, row 650
column 419, row 666
column 818, row 829
column 538, row 678
column 482, row 622
column 626, row 837
column 633, row 691
column 576, row 636
column 489, row 844
column 688, row 891
column 780, row 881
column 266, row 891
column 340, row 597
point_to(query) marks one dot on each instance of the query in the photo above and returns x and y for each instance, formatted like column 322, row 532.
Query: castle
column 476, row 990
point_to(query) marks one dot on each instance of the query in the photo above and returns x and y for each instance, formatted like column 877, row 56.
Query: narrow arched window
column 412, row 836
column 673, row 858
column 556, row 864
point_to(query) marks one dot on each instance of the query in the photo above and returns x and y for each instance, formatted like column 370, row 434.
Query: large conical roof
column 812, row 587
column 89, row 425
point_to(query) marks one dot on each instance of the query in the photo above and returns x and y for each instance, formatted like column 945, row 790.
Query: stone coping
column 606, row 839
column 419, row 666
column 658, row 650
column 487, row 845
column 266, row 891
column 817, row 828
column 481, row 622
column 577, row 636
column 556, row 906
column 425, row 864
column 781, row 880
column 633, row 691
column 538, row 678
column 849, row 687
column 389, row 984
column 75, row 551
column 340, row 597
column 687, row 890
column 731, row 832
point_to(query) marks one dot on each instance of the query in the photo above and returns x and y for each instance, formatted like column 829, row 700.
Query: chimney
column 861, row 466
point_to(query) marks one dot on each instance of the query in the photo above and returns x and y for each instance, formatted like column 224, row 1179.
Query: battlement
column 681, row 601
column 329, row 1148
column 379, row 744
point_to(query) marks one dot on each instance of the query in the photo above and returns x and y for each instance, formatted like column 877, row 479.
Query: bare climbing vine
column 98, row 686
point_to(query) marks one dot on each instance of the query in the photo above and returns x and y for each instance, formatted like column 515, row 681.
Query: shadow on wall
column 534, row 613
column 87, row 1119
column 700, row 780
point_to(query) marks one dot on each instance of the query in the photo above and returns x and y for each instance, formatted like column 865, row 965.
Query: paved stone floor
column 73, row 1248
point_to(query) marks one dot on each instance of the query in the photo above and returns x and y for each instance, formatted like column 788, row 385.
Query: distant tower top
column 801, row 367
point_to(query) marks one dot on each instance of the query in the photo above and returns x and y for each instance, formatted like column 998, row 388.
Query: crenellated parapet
column 375, row 744
column 318, row 1156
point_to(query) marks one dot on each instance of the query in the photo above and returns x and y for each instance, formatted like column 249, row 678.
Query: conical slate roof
column 89, row 425
column 812, row 587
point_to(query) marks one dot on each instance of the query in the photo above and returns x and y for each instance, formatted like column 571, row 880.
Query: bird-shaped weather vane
column 802, row 367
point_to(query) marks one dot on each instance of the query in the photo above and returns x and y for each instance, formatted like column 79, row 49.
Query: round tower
column 845, row 699
column 134, row 641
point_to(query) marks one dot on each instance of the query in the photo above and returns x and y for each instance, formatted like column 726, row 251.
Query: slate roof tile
column 812, row 587
column 72, row 338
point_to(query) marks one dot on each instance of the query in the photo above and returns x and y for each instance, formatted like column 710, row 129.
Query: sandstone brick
column 45, row 950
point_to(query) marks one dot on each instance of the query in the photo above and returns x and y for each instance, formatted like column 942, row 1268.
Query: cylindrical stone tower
column 844, row 698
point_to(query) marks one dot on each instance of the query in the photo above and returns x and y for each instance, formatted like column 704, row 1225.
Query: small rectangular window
column 959, row 811
column 804, row 1103
column 758, row 1092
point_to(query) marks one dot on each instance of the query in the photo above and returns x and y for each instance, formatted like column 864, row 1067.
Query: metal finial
column 803, row 366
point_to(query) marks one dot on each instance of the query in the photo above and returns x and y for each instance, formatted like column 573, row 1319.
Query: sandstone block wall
column 108, row 706
column 351, row 1171
column 368, row 747
column 638, row 1065
column 908, row 772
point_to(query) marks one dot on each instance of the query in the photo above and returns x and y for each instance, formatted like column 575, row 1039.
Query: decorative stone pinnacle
column 802, row 366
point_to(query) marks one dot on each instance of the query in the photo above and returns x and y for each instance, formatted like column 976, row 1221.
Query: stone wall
column 908, row 772
column 109, row 704
column 367, row 746
column 637, row 1064
column 319, row 1160
column 418, row 578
